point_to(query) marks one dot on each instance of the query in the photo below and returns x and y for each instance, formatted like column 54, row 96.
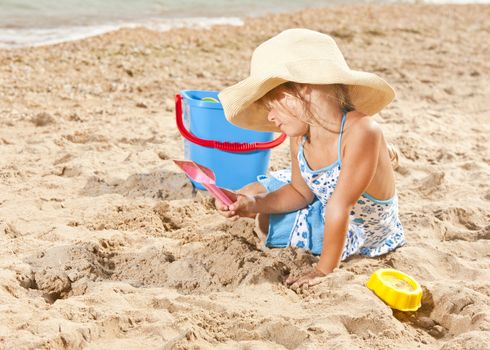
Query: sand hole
column 221, row 263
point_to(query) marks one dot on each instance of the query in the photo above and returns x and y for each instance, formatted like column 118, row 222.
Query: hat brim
column 368, row 92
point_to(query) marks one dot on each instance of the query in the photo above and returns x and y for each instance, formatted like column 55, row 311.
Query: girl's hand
column 244, row 206
column 310, row 279
column 223, row 208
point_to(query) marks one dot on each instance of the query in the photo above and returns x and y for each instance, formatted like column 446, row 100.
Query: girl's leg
column 252, row 189
column 262, row 226
column 261, row 220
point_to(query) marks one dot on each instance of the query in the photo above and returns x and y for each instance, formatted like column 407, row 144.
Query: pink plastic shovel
column 206, row 177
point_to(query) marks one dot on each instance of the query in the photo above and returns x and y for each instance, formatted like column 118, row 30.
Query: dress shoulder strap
column 300, row 148
column 344, row 117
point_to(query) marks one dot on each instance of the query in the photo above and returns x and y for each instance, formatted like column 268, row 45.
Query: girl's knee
column 252, row 189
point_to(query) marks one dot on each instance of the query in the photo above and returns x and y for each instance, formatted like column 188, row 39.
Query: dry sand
column 103, row 245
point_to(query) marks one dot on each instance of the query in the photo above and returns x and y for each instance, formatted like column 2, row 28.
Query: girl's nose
column 270, row 116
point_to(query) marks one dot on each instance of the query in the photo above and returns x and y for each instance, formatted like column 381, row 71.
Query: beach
column 105, row 245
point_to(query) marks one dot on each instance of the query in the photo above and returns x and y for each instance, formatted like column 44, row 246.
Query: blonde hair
column 339, row 92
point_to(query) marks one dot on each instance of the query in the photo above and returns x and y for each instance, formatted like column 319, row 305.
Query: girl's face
column 284, row 118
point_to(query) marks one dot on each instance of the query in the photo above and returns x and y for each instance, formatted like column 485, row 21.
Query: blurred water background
column 40, row 22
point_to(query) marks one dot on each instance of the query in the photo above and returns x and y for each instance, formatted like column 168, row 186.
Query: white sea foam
column 25, row 37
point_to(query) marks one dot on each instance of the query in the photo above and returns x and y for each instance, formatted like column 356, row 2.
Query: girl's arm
column 293, row 196
column 359, row 165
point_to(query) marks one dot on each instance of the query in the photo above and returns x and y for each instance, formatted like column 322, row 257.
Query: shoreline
column 161, row 24
column 53, row 36
column 104, row 244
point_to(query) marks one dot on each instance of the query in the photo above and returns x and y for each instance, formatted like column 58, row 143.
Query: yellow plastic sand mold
column 209, row 99
column 397, row 289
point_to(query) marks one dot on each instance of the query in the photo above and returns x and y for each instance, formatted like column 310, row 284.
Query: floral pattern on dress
column 374, row 225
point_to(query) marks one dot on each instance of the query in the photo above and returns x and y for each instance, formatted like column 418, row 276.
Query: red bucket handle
column 235, row 147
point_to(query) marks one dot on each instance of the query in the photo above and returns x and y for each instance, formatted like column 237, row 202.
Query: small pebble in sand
column 162, row 155
column 437, row 331
column 425, row 322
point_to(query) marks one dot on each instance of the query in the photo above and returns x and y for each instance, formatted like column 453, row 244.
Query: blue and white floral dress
column 374, row 225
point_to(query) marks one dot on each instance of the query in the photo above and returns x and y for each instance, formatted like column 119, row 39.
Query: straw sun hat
column 302, row 56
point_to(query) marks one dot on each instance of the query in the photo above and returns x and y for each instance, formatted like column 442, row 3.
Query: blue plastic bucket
column 236, row 156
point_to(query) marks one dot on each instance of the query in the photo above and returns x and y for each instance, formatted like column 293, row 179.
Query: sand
column 104, row 245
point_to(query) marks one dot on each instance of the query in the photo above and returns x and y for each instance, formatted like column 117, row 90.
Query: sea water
column 40, row 22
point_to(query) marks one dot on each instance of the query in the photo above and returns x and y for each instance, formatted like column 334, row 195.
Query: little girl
column 338, row 197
